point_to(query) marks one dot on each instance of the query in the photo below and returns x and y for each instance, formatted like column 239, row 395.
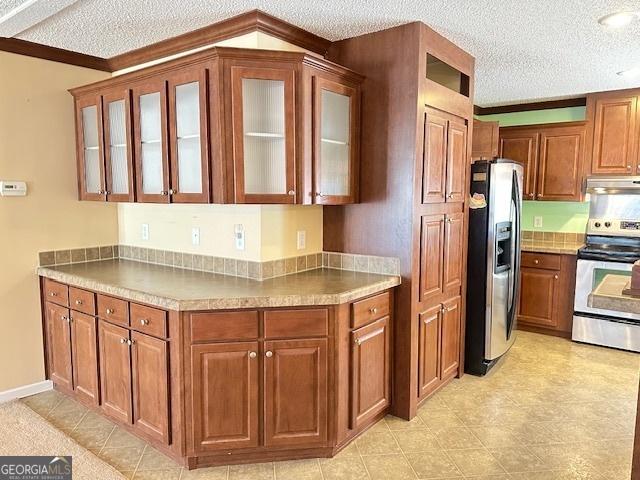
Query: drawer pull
column 78, row 302
column 144, row 321
column 253, row 354
column 268, row 354
column 536, row 261
column 53, row 294
column 373, row 310
column 110, row 311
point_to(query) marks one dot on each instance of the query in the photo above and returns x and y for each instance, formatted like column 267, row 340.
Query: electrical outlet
column 302, row 239
column 195, row 236
column 145, row 231
column 537, row 222
column 238, row 231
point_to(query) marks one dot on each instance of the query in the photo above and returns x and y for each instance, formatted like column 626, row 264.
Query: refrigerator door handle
column 515, row 257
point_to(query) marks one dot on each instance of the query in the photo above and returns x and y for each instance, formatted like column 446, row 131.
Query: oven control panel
column 608, row 226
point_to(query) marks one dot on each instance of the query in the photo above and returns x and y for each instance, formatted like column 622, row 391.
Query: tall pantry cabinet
column 417, row 114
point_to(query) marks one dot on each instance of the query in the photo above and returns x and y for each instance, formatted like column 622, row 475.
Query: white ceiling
column 525, row 50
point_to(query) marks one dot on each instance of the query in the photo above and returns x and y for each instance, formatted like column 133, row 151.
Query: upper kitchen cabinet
column 615, row 132
column 263, row 128
column 336, row 114
column 224, row 125
column 485, row 140
column 552, row 156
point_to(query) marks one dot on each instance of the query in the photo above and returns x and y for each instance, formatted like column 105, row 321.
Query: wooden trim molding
column 252, row 21
column 45, row 52
column 527, row 107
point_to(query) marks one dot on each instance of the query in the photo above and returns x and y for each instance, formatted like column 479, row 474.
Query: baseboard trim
column 25, row 391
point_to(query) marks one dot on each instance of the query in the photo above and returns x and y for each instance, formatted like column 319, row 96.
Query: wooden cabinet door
column 59, row 345
column 538, row 297
column 453, row 247
column 485, row 140
column 434, row 157
column 150, row 376
column 615, row 138
column 295, row 392
column 84, row 342
column 431, row 256
column 560, row 163
column 370, row 358
column 522, row 146
column 450, row 349
column 118, row 146
column 263, row 110
column 189, row 136
column 150, row 141
column 336, row 116
column 115, row 371
column 456, row 186
column 90, row 148
column 429, row 350
column 225, row 403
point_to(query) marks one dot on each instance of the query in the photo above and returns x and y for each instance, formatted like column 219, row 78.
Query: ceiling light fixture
column 633, row 72
column 619, row 19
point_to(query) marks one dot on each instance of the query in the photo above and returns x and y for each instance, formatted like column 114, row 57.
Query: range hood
column 613, row 185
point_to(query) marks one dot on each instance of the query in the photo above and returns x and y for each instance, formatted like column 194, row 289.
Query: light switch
column 195, row 236
column 145, row 231
column 238, row 231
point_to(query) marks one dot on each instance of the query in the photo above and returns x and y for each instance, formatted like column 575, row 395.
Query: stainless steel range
column 612, row 246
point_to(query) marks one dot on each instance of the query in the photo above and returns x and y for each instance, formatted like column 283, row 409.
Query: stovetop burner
column 615, row 249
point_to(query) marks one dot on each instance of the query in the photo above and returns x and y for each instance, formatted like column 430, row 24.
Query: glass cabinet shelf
column 150, row 141
column 335, row 142
column 91, row 148
column 186, row 137
column 264, row 135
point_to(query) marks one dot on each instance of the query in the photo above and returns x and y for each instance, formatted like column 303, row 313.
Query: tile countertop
column 608, row 295
column 551, row 247
column 179, row 289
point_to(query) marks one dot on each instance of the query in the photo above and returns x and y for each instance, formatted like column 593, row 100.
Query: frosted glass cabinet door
column 188, row 140
column 117, row 137
column 150, row 140
column 336, row 110
column 263, row 129
column 91, row 170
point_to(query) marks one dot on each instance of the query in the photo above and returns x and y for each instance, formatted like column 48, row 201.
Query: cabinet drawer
column 541, row 260
column 82, row 301
column 113, row 310
column 224, row 326
column 149, row 320
column 296, row 323
column 56, row 292
column 370, row 309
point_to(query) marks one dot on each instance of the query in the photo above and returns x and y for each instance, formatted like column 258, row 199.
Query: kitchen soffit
column 525, row 51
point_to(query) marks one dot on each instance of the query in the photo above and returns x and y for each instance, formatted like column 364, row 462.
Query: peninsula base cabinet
column 224, row 386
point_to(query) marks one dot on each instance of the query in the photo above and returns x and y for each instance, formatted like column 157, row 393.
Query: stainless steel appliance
column 493, row 265
column 612, row 246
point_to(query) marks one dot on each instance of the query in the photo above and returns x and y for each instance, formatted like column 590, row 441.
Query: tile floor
column 551, row 410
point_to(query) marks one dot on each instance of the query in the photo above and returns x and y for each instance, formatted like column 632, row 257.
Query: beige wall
column 270, row 230
column 37, row 146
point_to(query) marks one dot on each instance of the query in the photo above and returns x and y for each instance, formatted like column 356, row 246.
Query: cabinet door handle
column 172, row 191
column 144, row 321
column 64, row 318
column 123, row 340
column 556, row 277
column 373, row 310
column 292, row 193
column 268, row 354
column 130, row 342
column 253, row 354
column 540, row 195
column 357, row 341
column 319, row 194
column 628, row 167
column 450, row 195
column 164, row 192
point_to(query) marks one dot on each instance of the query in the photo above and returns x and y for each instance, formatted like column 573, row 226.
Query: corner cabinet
column 224, row 126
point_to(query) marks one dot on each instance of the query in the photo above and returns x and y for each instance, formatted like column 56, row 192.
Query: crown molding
column 527, row 107
column 45, row 52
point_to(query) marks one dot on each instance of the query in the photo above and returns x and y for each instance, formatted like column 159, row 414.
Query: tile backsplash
column 552, row 237
column 226, row 266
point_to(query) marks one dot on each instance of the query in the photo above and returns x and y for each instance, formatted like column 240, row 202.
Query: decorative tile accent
column 227, row 266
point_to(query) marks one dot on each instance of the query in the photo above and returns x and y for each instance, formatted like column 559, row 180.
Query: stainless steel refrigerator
column 493, row 262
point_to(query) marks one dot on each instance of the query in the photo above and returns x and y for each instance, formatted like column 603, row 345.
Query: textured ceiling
column 525, row 49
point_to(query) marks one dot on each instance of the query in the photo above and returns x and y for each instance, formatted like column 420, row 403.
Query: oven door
column 589, row 274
